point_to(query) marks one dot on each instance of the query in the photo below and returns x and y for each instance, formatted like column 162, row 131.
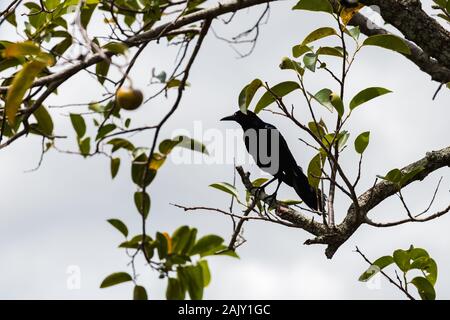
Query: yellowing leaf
column 348, row 13
column 169, row 242
column 20, row 84
column 20, row 49
column 157, row 161
column 45, row 58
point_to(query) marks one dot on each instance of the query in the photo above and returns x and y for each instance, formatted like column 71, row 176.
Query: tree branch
column 417, row 26
column 335, row 237
column 147, row 36
column 432, row 67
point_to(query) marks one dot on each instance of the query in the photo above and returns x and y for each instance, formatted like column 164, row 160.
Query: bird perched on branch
column 271, row 153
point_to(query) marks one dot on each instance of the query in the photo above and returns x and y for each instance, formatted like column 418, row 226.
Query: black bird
column 271, row 153
column 349, row 3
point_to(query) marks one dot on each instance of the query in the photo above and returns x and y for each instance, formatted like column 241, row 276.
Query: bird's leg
column 261, row 187
column 273, row 196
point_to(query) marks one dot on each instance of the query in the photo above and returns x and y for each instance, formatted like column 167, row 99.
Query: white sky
column 55, row 217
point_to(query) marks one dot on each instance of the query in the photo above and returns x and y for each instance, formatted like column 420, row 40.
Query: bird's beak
column 229, row 118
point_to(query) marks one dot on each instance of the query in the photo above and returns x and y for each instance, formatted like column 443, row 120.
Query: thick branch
column 431, row 66
column 417, row 26
column 383, row 190
column 431, row 162
column 428, row 65
column 335, row 237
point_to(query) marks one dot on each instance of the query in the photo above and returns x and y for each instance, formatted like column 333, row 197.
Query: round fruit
column 129, row 98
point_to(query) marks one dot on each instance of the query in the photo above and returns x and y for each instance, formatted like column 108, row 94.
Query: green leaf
column 119, row 143
column 101, row 69
column 366, row 95
column 376, row 267
column 317, row 129
column 314, row 5
column 328, row 139
column 402, row 259
column 310, row 61
column 418, row 253
column 86, row 14
column 425, row 288
column 115, row 278
column 315, row 170
column 115, row 165
column 119, row 225
column 139, row 293
column 362, row 141
column 85, row 146
column 142, row 202
column 205, row 272
column 259, row 182
column 393, row 176
column 138, row 171
column 428, row 266
column 194, row 281
column 388, row 41
column 288, row 64
column 277, row 91
column 354, row 32
column 223, row 250
column 174, row 290
column 336, row 102
column 206, row 244
column 116, row 47
column 188, row 143
column 431, row 270
column 78, row 124
column 135, row 242
column 21, row 82
column 225, row 187
column 97, row 107
column 299, row 50
column 406, row 177
column 129, row 245
column 162, row 245
column 319, row 34
column 11, row 18
column 342, row 139
column 247, row 93
column 180, row 239
column 191, row 241
column 44, row 120
column 166, row 146
column 323, row 97
column 62, row 46
column 106, row 129
column 173, row 83
column 329, row 51
column 51, row 4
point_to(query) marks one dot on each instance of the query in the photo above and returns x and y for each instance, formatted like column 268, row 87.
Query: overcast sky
column 55, row 218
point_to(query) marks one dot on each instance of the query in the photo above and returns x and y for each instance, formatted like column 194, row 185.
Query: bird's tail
column 315, row 199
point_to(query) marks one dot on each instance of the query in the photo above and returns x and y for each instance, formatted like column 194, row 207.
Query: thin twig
column 386, row 276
